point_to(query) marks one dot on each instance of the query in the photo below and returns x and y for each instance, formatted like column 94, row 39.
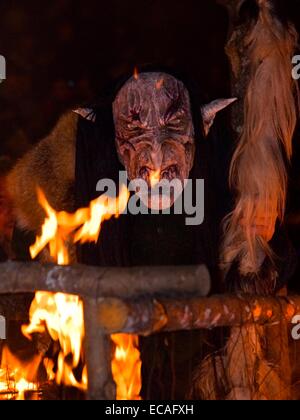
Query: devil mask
column 154, row 130
column 154, row 127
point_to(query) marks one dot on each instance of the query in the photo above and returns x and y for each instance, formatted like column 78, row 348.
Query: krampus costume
column 150, row 123
column 154, row 122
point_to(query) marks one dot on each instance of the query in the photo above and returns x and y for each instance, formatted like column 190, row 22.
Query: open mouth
column 161, row 194
column 153, row 176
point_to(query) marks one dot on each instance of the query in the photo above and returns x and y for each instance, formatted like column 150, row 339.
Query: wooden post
column 98, row 353
column 236, row 50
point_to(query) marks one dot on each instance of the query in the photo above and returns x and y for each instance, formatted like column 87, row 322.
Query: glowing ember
column 62, row 315
column 126, row 367
column 18, row 378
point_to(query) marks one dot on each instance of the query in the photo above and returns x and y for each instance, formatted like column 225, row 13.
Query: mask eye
column 135, row 116
column 175, row 119
column 171, row 172
column 144, row 172
column 134, row 122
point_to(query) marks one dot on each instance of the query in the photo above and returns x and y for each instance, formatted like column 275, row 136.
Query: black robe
column 168, row 359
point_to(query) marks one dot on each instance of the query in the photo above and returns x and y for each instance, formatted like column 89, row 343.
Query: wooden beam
column 97, row 282
column 149, row 316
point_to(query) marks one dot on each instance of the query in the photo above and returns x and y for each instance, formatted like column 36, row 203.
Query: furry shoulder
column 50, row 165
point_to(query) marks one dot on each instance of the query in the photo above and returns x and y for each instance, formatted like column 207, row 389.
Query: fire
column 82, row 226
column 61, row 316
column 17, row 377
column 154, row 178
column 126, row 367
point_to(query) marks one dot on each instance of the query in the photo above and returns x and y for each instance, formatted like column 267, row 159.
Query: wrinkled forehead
column 152, row 92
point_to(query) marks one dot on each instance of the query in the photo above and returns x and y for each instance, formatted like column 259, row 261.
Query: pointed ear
column 210, row 111
column 86, row 113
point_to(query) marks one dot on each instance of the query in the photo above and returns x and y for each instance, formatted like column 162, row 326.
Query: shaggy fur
column 258, row 175
column 51, row 166
column 240, row 371
column 258, row 170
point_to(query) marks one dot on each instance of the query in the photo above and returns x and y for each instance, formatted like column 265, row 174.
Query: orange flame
column 16, row 377
column 62, row 315
column 126, row 367
column 136, row 73
column 154, row 178
column 84, row 224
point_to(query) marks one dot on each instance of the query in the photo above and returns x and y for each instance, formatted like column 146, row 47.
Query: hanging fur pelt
column 245, row 369
column 241, row 371
column 258, row 174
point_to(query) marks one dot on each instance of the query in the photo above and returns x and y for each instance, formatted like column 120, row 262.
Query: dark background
column 62, row 53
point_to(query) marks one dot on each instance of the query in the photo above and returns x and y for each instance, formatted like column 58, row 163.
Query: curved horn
column 86, row 113
column 210, row 111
